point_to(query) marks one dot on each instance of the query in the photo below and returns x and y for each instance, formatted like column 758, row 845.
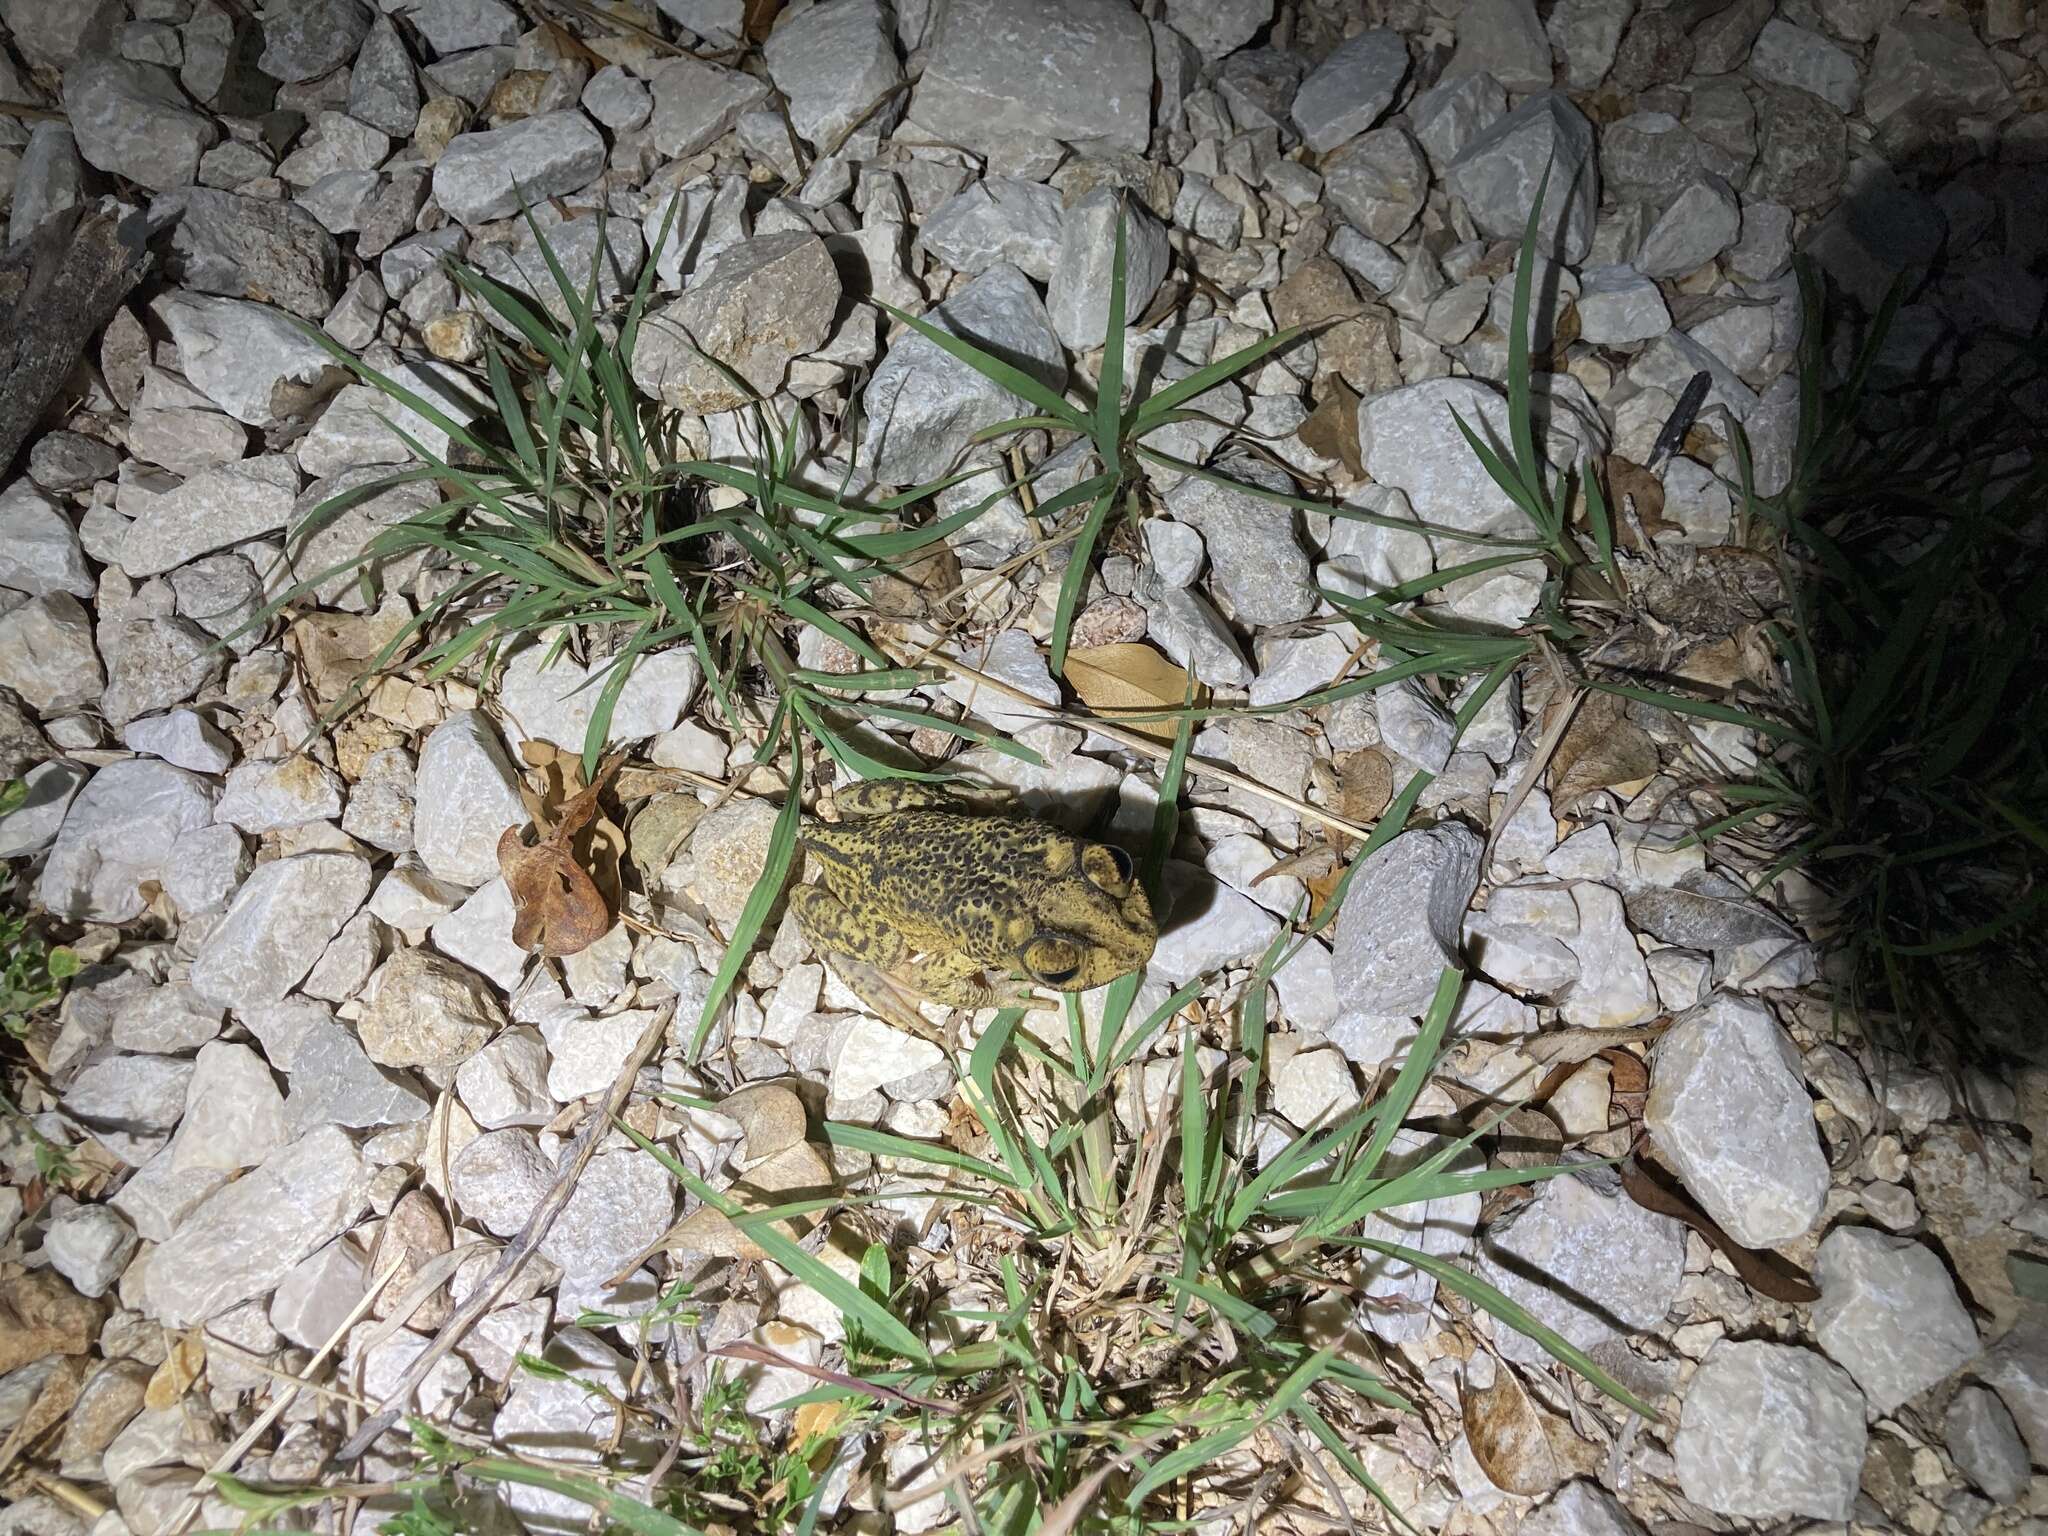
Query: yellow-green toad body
column 920, row 896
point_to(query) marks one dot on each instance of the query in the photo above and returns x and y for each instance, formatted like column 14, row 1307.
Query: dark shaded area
column 1914, row 531
column 57, row 289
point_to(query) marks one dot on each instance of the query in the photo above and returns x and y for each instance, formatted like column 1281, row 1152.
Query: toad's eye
column 1055, row 962
column 1107, row 867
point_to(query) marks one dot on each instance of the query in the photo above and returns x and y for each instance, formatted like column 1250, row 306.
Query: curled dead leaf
column 558, row 907
column 1128, row 678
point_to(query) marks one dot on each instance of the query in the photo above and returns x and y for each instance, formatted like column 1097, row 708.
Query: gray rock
column 1702, row 221
column 466, row 798
column 316, row 1298
column 985, row 82
column 994, row 220
column 34, row 824
column 250, row 248
column 1580, row 1508
column 306, row 40
column 1802, row 154
column 62, row 35
column 384, row 87
column 1207, row 926
column 1648, row 157
column 754, row 307
column 696, row 104
column 380, row 802
column 1504, row 39
column 279, row 923
column 478, row 932
column 246, row 1238
column 89, row 1245
column 333, row 1080
column 1193, row 635
column 354, row 318
column 1731, row 1114
column 333, row 562
column 1346, row 94
column 1446, row 118
column 1768, row 1431
column 356, row 429
column 1986, row 1444
column 1618, row 305
column 484, row 176
column 923, row 405
column 119, row 833
column 1586, row 1260
column 155, row 1199
column 130, row 120
column 425, row 1011
column 47, row 655
column 1401, row 924
column 1787, row 54
column 1216, row 28
column 1930, row 67
column 498, row 1179
column 167, row 1019
column 833, row 64
column 270, row 794
column 1077, row 298
column 221, row 594
column 622, row 1204
column 618, row 99
column 206, row 867
column 1378, row 182
column 521, row 265
column 136, row 1098
column 39, row 549
column 153, row 664
column 1408, row 439
column 229, row 504
column 555, row 705
column 71, row 461
column 22, row 743
column 49, row 180
column 2016, row 1368
column 339, row 200
column 234, row 1115
column 505, row 1083
column 249, row 359
column 1585, row 34
column 1888, row 1312
column 1498, row 173
column 186, row 439
column 1256, row 562
column 455, row 26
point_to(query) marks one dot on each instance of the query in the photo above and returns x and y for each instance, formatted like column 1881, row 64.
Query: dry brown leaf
column 1602, row 749
column 1117, row 680
column 1508, row 1436
column 558, row 907
column 1764, row 1273
column 1577, row 1045
column 183, row 1365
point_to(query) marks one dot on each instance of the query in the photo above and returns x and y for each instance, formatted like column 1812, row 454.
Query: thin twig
column 225, row 1463
column 519, row 1250
column 23, row 110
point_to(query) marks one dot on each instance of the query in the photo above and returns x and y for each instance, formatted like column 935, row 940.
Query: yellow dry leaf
column 1128, row 678
column 182, row 1368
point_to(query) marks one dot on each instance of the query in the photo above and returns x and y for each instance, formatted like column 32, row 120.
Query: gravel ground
column 304, row 1046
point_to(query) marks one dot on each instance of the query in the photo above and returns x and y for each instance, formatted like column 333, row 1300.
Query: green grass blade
column 781, row 853
column 1110, row 390
column 993, row 368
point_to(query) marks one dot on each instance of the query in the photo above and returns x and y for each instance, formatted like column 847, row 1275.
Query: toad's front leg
column 962, row 981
